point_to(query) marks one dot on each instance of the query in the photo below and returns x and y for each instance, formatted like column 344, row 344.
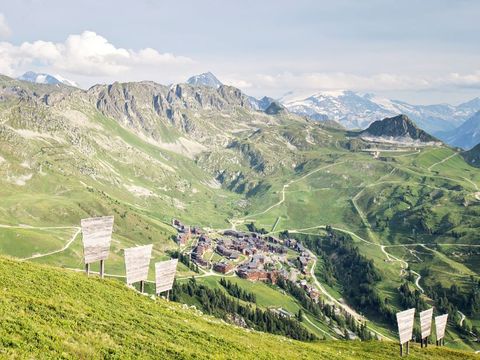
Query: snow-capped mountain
column 355, row 110
column 205, row 79
column 40, row 78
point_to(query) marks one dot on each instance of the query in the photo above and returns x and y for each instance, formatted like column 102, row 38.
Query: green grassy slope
column 51, row 313
column 68, row 160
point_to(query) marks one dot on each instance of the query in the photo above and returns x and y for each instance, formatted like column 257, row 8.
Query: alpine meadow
column 281, row 210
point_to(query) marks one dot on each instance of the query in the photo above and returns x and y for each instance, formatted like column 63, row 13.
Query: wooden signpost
column 165, row 275
column 425, row 326
column 440, row 325
column 97, row 235
column 405, row 321
column 137, row 261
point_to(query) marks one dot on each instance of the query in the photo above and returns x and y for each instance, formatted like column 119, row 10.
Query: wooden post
column 401, row 349
column 408, row 350
column 168, row 295
column 142, row 286
column 87, row 269
column 102, row 268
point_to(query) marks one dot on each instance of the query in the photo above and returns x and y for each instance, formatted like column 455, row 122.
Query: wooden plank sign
column 97, row 235
column 405, row 321
column 165, row 274
column 440, row 325
column 137, row 261
column 426, row 322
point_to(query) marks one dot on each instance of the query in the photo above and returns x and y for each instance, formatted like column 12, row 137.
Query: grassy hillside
column 51, row 313
column 146, row 153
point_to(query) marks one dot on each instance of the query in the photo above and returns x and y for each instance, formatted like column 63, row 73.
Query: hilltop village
column 249, row 255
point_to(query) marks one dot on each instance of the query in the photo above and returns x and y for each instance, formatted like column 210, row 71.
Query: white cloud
column 85, row 54
column 464, row 80
column 315, row 81
column 4, row 28
column 339, row 80
column 239, row 83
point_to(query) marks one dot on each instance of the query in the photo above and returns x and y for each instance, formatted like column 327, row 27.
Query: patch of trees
column 344, row 264
column 411, row 299
column 236, row 291
column 185, row 260
column 253, row 228
column 322, row 310
column 217, row 303
column 452, row 299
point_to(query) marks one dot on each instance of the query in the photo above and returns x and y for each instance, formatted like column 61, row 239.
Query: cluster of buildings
column 203, row 245
column 251, row 243
column 260, row 253
column 223, row 267
column 304, row 257
column 255, row 270
column 185, row 232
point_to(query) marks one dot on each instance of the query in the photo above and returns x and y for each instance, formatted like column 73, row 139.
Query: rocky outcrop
column 399, row 128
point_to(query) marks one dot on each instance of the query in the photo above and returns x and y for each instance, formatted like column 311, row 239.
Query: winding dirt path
column 442, row 161
column 40, row 255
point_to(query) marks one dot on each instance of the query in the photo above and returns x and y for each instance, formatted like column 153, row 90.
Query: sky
column 423, row 52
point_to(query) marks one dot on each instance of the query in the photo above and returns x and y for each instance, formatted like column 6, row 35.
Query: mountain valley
column 209, row 155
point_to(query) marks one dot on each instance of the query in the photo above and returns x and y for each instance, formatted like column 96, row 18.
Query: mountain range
column 456, row 125
column 357, row 111
column 146, row 153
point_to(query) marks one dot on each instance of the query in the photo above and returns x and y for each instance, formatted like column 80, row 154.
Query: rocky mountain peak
column 205, row 79
column 275, row 108
column 397, row 127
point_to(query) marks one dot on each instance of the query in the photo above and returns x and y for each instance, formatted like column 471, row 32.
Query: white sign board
column 426, row 322
column 165, row 274
column 405, row 321
column 97, row 235
column 440, row 325
column 137, row 261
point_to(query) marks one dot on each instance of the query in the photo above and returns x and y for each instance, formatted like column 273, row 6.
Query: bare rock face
column 143, row 106
column 398, row 127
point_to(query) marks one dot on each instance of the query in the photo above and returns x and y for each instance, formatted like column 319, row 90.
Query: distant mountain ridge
column 472, row 156
column 41, row 78
column 399, row 129
column 466, row 135
column 355, row 110
column 261, row 104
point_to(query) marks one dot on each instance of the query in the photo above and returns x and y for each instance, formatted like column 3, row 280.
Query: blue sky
column 419, row 51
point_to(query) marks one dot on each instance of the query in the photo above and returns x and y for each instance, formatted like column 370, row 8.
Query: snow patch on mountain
column 205, row 79
column 40, row 78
